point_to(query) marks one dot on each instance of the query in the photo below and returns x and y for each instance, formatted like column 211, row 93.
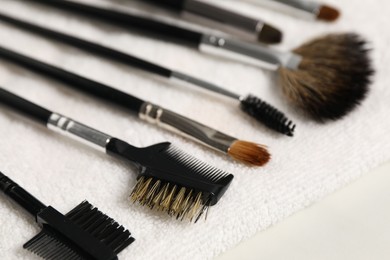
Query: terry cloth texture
column 319, row 160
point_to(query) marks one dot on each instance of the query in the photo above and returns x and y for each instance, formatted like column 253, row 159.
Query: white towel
column 319, row 160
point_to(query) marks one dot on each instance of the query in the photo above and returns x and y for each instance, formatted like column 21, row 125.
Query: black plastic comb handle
column 89, row 46
column 128, row 21
column 20, row 196
column 75, row 81
column 39, row 114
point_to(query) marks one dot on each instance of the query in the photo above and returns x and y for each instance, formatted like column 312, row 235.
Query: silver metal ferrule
column 255, row 54
column 307, row 8
column 186, row 127
column 175, row 75
column 78, row 131
column 215, row 17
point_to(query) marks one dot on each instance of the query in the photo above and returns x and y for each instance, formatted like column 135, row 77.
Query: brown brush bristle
column 328, row 13
column 249, row 153
column 333, row 77
column 270, row 35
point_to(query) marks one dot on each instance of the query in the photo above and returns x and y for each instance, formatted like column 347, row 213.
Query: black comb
column 169, row 179
column 83, row 233
column 163, row 185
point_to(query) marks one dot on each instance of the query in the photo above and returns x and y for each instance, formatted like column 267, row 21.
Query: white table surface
column 353, row 223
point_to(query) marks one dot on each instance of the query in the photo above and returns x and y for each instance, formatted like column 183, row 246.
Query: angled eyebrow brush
column 231, row 22
column 169, row 180
column 83, row 233
column 326, row 78
column 250, row 104
column 243, row 151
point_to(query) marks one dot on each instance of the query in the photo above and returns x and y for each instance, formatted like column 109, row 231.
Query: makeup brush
column 316, row 10
column 230, row 22
column 326, row 77
column 250, row 104
column 168, row 180
column 83, row 233
column 246, row 152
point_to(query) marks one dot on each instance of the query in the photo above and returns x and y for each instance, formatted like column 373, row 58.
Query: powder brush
column 169, row 180
column 215, row 17
column 316, row 10
column 250, row 104
column 247, row 152
column 327, row 77
column 83, row 233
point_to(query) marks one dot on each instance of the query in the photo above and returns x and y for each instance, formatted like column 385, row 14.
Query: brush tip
column 328, row 13
column 249, row 153
column 270, row 35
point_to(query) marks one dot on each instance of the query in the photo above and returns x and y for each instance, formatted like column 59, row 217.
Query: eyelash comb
column 250, row 104
column 169, row 180
column 243, row 151
column 83, row 233
column 327, row 77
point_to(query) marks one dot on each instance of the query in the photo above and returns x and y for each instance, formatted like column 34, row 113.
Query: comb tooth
column 124, row 244
column 34, row 241
column 78, row 210
column 102, row 227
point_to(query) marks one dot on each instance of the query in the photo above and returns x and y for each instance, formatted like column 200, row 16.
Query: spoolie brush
column 253, row 106
column 83, row 233
column 332, row 72
column 169, row 180
column 146, row 111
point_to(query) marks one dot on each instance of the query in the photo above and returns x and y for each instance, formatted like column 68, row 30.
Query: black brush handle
column 89, row 46
column 75, row 81
column 39, row 114
column 129, row 21
column 20, row 195
column 171, row 4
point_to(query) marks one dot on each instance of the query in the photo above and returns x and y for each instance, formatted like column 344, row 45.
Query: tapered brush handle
column 75, row 81
column 39, row 114
column 89, row 46
column 172, row 4
column 20, row 196
column 126, row 20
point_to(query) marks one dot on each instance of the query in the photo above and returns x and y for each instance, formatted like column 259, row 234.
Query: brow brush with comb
column 247, row 152
column 169, row 180
column 250, row 104
column 83, row 233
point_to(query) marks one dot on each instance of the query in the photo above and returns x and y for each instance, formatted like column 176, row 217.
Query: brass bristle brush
column 169, row 180
column 83, row 233
column 247, row 152
column 250, row 104
column 326, row 77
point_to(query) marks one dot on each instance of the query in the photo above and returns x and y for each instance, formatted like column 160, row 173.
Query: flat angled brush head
column 173, row 181
column 333, row 77
column 328, row 13
column 83, row 233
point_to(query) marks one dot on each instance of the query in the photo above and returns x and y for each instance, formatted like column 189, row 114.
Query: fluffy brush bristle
column 268, row 115
column 333, row 77
column 249, row 153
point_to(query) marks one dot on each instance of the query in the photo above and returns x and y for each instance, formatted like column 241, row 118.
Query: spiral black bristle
column 268, row 115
